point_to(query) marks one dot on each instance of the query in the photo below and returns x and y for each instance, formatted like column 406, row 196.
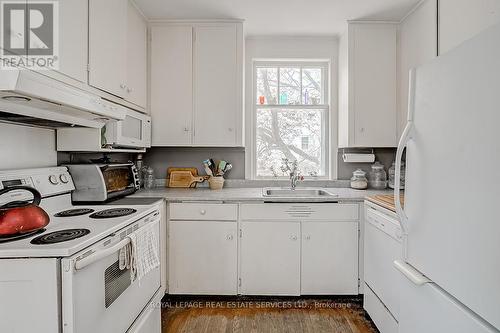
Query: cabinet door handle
column 229, row 237
column 293, row 237
column 308, row 237
column 123, row 86
column 203, row 212
column 129, row 90
column 186, row 129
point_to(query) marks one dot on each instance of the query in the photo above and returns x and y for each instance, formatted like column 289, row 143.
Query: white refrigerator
column 451, row 215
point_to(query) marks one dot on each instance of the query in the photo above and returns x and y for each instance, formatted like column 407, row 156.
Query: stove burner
column 74, row 212
column 113, row 212
column 10, row 238
column 59, row 236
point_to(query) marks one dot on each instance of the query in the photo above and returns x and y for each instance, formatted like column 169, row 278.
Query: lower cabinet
column 299, row 258
column 270, row 258
column 329, row 264
column 203, row 257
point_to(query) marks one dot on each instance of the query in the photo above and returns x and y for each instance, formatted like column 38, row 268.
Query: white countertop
column 251, row 194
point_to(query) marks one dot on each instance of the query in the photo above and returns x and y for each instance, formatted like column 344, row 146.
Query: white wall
column 26, row 147
column 460, row 20
column 293, row 48
column 417, row 45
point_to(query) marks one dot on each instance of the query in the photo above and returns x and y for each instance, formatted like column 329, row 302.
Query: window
column 291, row 117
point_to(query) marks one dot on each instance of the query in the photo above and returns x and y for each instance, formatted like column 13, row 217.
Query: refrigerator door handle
column 405, row 137
column 411, row 273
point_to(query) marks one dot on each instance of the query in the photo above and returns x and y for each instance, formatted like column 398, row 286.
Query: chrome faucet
column 292, row 169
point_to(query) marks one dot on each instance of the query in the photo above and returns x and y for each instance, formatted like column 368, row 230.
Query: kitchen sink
column 297, row 192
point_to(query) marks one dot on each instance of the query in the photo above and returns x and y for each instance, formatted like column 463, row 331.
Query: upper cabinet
column 171, row 85
column 460, row 20
column 108, row 45
column 197, row 84
column 368, row 85
column 118, row 50
column 73, row 39
column 137, row 66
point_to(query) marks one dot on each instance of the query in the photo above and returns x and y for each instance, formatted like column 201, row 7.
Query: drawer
column 204, row 211
column 378, row 312
column 299, row 211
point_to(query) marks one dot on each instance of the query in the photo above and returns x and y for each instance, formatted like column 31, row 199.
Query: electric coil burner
column 60, row 236
column 11, row 238
column 74, row 212
column 113, row 212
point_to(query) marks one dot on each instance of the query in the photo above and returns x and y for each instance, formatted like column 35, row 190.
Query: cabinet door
column 329, row 258
column 203, row 257
column 108, row 45
column 217, row 101
column 137, row 57
column 73, row 39
column 270, row 258
column 171, row 85
column 373, row 93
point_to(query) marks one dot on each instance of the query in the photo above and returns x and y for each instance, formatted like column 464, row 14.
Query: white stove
column 73, row 286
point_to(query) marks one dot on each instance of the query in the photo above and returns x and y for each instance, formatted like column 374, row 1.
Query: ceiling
column 281, row 17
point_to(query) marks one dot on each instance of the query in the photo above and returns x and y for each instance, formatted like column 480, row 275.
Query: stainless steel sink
column 281, row 192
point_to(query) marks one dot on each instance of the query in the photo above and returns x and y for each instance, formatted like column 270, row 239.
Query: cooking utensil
column 18, row 217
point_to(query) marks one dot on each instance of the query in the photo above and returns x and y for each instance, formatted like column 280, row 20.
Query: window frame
column 325, row 106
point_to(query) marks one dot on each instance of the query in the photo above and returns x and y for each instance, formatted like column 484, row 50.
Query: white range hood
column 31, row 98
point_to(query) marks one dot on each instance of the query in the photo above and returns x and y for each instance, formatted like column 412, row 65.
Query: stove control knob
column 64, row 179
column 53, row 180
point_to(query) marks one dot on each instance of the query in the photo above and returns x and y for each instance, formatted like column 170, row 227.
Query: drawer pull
column 308, row 237
column 293, row 237
column 229, row 237
column 203, row 212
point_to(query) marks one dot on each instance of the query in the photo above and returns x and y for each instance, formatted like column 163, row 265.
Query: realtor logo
column 29, row 35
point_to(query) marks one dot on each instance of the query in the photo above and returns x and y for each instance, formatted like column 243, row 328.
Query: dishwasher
column 382, row 245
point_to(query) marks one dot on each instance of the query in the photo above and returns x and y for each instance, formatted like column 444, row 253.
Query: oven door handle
column 96, row 256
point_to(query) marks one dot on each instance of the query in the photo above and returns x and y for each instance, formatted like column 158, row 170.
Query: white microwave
column 134, row 131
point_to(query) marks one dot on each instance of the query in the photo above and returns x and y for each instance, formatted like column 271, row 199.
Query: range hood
column 31, row 98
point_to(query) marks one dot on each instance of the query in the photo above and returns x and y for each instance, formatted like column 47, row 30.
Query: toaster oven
column 103, row 182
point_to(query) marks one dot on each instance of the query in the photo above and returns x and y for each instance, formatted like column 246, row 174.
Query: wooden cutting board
column 184, row 179
column 386, row 201
column 194, row 171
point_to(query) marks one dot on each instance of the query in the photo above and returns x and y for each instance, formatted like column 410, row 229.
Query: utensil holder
column 216, row 183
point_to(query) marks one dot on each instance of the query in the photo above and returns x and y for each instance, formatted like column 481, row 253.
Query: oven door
column 97, row 296
column 133, row 131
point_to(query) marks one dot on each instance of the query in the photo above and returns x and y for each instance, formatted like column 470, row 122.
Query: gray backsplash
column 160, row 158
column 384, row 155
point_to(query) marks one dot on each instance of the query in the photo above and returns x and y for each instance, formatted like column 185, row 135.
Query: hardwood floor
column 256, row 316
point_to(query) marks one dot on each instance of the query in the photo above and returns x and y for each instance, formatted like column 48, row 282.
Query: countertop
column 251, row 194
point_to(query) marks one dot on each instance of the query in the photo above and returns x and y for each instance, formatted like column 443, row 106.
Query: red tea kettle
column 18, row 217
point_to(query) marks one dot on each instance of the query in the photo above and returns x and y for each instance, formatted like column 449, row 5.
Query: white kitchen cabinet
column 417, row 45
column 196, row 84
column 460, row 20
column 108, row 45
column 73, row 39
column 203, row 257
column 217, row 85
column 329, row 264
column 171, row 85
column 137, row 69
column 270, row 258
column 367, row 85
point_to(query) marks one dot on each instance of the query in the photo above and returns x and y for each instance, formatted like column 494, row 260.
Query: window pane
column 267, row 85
column 311, row 86
column 289, row 86
column 293, row 134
